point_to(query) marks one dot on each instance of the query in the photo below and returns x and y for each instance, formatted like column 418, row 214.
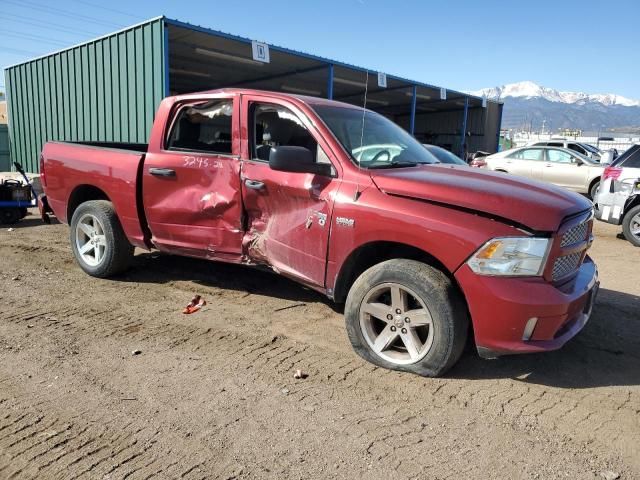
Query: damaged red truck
column 347, row 203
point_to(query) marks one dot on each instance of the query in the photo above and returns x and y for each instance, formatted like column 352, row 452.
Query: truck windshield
column 380, row 144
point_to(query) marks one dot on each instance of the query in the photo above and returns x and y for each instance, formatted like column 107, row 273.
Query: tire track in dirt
column 266, row 356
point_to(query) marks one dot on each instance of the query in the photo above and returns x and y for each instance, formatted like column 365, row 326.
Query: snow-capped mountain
column 529, row 105
column 533, row 90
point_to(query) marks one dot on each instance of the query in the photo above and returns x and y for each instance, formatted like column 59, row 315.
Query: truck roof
column 248, row 91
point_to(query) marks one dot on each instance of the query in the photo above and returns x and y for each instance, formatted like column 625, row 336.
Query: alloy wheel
column 90, row 240
column 396, row 324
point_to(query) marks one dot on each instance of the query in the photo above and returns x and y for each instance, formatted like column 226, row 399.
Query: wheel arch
column 372, row 253
column 83, row 193
column 593, row 182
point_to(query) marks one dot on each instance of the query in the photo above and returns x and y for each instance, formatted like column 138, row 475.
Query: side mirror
column 296, row 160
column 577, row 161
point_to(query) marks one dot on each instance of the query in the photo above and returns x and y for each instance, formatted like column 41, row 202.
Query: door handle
column 162, row 172
column 254, row 184
column 548, row 165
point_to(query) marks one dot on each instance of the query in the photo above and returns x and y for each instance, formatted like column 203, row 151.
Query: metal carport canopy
column 199, row 58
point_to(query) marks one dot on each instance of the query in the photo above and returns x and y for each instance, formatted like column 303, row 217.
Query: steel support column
column 463, row 134
column 499, row 128
column 412, row 120
column 330, row 82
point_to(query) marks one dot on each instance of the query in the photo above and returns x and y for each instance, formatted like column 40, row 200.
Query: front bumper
column 501, row 308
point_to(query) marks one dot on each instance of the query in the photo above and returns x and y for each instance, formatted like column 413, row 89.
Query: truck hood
column 517, row 200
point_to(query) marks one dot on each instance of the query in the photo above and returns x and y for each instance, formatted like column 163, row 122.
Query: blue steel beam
column 330, row 82
column 499, row 128
column 165, row 33
column 463, row 135
column 412, row 120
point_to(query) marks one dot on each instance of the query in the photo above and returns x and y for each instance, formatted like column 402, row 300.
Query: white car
column 618, row 201
column 584, row 149
column 560, row 166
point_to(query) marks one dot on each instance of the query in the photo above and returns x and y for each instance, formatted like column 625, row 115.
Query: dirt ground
column 212, row 395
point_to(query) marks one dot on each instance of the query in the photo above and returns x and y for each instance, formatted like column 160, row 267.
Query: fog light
column 529, row 328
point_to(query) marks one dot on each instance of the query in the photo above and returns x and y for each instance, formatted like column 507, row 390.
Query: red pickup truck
column 346, row 202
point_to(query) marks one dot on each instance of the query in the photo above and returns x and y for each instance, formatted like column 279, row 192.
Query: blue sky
column 588, row 46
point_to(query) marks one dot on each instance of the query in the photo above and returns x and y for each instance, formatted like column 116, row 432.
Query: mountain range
column 527, row 105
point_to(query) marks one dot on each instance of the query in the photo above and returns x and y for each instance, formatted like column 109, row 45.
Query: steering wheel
column 380, row 154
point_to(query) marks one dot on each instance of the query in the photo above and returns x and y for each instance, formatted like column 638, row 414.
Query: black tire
column 118, row 253
column 23, row 212
column 442, row 299
column 9, row 216
column 593, row 191
column 626, row 226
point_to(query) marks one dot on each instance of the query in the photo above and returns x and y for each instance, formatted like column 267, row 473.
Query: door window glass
column 555, row 144
column 558, row 156
column 577, row 148
column 633, row 161
column 274, row 126
column 203, row 128
column 528, row 154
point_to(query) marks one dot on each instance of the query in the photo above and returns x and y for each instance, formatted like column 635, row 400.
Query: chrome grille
column 565, row 265
column 575, row 234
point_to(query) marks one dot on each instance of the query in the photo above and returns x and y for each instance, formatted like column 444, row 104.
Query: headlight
column 625, row 186
column 511, row 256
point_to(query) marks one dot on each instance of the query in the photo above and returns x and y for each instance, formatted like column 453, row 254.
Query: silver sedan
column 560, row 166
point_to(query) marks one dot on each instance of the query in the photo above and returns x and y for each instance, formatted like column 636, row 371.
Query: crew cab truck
column 420, row 252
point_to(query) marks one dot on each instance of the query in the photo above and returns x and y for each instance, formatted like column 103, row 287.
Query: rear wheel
column 631, row 225
column 98, row 241
column 406, row 315
column 9, row 215
column 593, row 191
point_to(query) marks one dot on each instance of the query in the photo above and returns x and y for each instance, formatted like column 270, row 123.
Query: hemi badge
column 345, row 222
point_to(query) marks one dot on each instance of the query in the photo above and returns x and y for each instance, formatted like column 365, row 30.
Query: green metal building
column 108, row 89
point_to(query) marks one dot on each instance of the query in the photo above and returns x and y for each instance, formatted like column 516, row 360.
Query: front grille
column 575, row 234
column 565, row 265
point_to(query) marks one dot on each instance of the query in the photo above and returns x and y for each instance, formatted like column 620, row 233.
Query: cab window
column 203, row 128
column 274, row 126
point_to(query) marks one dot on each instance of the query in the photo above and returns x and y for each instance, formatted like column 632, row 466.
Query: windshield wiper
column 393, row 165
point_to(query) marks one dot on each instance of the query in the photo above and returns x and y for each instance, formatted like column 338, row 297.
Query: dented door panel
column 196, row 208
column 288, row 218
column 288, row 221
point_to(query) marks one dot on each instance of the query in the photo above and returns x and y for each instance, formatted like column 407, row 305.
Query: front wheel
column 98, row 241
column 405, row 315
column 631, row 225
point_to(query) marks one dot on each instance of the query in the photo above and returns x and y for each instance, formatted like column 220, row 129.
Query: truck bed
column 72, row 168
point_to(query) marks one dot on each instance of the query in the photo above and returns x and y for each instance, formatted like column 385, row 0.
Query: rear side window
column 528, row 154
column 203, row 128
column 555, row 144
column 558, row 156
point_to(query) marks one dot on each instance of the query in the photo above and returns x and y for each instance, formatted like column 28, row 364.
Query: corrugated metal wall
column 104, row 90
column 5, row 160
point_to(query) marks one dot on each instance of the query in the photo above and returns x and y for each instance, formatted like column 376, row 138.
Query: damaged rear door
column 288, row 214
column 191, row 185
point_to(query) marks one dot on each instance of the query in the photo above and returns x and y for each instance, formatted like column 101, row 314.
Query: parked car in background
column 618, row 201
column 421, row 253
column 444, row 155
column 560, row 166
column 583, row 149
